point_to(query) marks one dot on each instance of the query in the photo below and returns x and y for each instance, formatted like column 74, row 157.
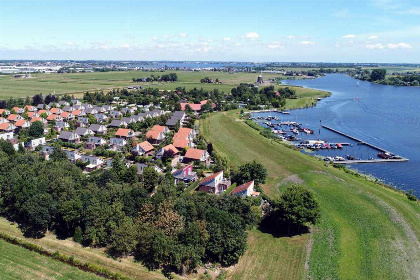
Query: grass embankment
column 20, row 263
column 81, row 82
column 366, row 231
column 125, row 266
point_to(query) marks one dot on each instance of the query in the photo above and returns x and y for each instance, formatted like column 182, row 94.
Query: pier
column 400, row 159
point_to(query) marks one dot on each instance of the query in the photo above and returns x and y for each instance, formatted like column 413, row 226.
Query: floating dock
column 400, row 159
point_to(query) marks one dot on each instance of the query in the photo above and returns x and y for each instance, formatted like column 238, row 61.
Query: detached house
column 168, row 151
column 115, row 114
column 18, row 110
column 69, row 136
column 101, row 117
column 83, row 131
column 118, row 123
column 94, row 162
column 7, row 127
column 184, row 138
column 124, row 133
column 6, row 112
column 56, row 111
column 67, row 116
column 197, row 155
column 98, row 129
column 31, row 145
column 94, row 142
column 14, row 117
column 155, row 137
column 30, row 108
column 144, row 148
column 185, row 174
column 245, row 190
column 22, row 124
column 214, row 184
column 117, row 143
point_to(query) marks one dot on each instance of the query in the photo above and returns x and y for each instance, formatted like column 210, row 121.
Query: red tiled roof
column 16, row 109
column 20, row 122
column 12, row 117
column 36, row 119
column 146, row 146
column 4, row 126
column 205, row 180
column 158, row 128
column 180, row 143
column 76, row 112
column 242, row 187
column 194, row 153
column 30, row 114
column 194, row 107
column 123, row 132
column 42, row 111
column 54, row 110
column 171, row 149
column 152, row 134
column 65, row 114
column 52, row 117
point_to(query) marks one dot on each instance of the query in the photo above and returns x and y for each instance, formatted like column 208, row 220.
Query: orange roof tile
column 54, row 110
column 76, row 112
column 146, row 146
column 52, row 117
column 242, row 187
column 12, row 117
column 194, row 153
column 4, row 126
column 170, row 149
column 36, row 119
column 152, row 134
column 181, row 143
column 20, row 122
column 123, row 132
column 205, row 180
column 159, row 128
column 65, row 114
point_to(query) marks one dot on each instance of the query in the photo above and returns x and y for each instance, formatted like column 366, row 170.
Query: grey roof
column 117, row 123
column 81, row 130
column 67, row 135
column 178, row 114
column 96, row 127
column 40, row 106
column 172, row 122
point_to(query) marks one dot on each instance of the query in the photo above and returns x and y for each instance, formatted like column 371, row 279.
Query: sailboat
column 357, row 84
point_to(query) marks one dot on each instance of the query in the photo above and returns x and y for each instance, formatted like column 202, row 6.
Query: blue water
column 385, row 116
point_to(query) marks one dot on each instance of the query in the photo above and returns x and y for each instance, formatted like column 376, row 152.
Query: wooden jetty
column 399, row 159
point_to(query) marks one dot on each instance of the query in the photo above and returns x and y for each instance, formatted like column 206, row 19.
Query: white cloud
column 154, row 38
column 399, row 46
column 226, row 39
column 307, row 43
column 183, row 35
column 291, row 37
column 160, row 46
column 252, row 35
column 275, row 45
column 373, row 37
column 70, row 43
column 349, row 36
column 375, row 47
column 125, row 46
column 165, row 36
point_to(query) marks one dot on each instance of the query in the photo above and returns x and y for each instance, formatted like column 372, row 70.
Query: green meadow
column 367, row 231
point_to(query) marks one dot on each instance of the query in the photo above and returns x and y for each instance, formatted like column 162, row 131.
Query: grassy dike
column 366, row 231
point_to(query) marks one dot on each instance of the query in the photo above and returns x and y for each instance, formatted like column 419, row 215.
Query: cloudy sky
column 323, row 30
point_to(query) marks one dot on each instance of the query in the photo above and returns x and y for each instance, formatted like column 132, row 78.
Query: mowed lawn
column 366, row 231
column 19, row 263
column 125, row 266
column 77, row 83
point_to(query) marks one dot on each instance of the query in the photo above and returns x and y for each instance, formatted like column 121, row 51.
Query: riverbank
column 363, row 224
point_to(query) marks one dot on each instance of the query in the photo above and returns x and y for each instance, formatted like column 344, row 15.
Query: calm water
column 385, row 116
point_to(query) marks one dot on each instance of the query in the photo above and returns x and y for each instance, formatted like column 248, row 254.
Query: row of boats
column 319, row 145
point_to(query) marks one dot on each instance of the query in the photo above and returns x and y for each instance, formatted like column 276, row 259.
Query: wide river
column 385, row 116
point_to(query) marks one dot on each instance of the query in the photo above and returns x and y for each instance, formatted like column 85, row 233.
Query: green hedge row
column 85, row 266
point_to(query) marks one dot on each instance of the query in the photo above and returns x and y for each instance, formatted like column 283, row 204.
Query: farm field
column 366, row 231
column 20, row 263
column 78, row 83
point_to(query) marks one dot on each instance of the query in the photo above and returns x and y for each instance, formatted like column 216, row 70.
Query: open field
column 366, row 231
column 82, row 82
column 67, row 247
column 20, row 263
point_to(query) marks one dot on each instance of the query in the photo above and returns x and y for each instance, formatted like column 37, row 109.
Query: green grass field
column 366, row 231
column 125, row 266
column 82, row 82
column 20, row 263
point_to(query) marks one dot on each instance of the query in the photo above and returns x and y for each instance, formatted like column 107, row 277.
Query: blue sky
column 329, row 31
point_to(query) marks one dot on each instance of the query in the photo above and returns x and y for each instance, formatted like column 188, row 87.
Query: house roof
column 16, row 109
column 117, row 123
column 12, row 117
column 181, row 143
column 194, row 107
column 65, row 114
column 194, row 153
column 42, row 111
column 146, row 146
column 170, row 149
column 30, row 114
column 67, row 135
column 52, row 117
column 97, row 127
column 20, row 122
column 159, row 128
column 4, row 126
column 182, row 133
column 172, row 121
column 211, row 177
column 36, row 119
column 55, row 110
column 123, row 132
column 242, row 187
column 83, row 131
column 152, row 134
column 76, row 112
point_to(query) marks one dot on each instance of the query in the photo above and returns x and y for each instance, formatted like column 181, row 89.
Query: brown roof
column 123, row 132
column 171, row 149
column 194, row 153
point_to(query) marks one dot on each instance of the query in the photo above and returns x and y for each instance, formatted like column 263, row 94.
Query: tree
column 251, row 171
column 37, row 214
column 58, row 155
column 295, row 208
column 377, row 74
column 36, row 130
column 150, row 178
